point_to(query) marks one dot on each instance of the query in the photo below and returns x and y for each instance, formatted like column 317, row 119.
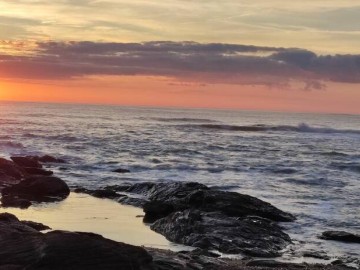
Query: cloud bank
column 213, row 63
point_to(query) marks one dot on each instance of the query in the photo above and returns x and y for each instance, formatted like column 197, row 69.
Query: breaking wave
column 185, row 120
column 11, row 145
column 304, row 128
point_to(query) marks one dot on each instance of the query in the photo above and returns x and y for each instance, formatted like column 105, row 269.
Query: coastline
column 222, row 228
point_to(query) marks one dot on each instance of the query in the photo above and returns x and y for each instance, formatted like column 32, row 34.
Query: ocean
column 307, row 164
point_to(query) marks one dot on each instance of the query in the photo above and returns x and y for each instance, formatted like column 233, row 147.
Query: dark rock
column 167, row 260
column 204, row 252
column 274, row 264
column 103, row 193
column 119, row 188
column 138, row 202
column 37, row 226
column 38, row 171
column 155, row 210
column 99, row 193
column 253, row 236
column 10, row 173
column 341, row 236
column 29, row 162
column 337, row 262
column 6, row 217
column 316, row 254
column 26, row 248
column 23, row 247
column 173, row 190
column 67, row 250
column 143, row 188
column 39, row 188
column 50, row 159
column 192, row 214
column 10, row 201
column 80, row 190
column 185, row 195
column 10, row 267
column 121, row 171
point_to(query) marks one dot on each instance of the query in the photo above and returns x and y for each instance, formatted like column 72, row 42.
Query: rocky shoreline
column 212, row 221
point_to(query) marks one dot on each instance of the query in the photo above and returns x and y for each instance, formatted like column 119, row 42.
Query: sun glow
column 2, row 91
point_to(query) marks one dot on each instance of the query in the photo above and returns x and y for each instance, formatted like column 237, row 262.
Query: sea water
column 307, row 164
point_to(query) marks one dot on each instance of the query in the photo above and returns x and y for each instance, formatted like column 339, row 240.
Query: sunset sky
column 232, row 54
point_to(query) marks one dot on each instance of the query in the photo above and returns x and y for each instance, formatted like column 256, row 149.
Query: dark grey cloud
column 185, row 61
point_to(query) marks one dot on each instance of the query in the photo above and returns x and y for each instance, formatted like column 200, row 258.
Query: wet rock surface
column 316, row 254
column 120, row 170
column 252, row 236
column 37, row 171
column 10, row 201
column 341, row 236
column 100, row 193
column 27, row 162
column 35, row 225
column 185, row 195
column 24, row 247
column 23, row 180
column 50, row 159
column 38, row 188
column 10, row 173
column 167, row 260
column 18, row 168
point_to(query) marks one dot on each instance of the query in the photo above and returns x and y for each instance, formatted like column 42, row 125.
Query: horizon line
column 144, row 106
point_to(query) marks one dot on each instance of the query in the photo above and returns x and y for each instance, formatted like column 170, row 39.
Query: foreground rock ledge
column 251, row 236
column 24, row 247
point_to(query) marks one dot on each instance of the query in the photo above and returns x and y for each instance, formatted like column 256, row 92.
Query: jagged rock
column 37, row 226
column 28, row 162
column 167, row 260
column 253, row 236
column 193, row 214
column 204, row 252
column 138, row 202
column 50, row 159
column 185, row 195
column 99, row 193
column 121, row 171
column 143, row 188
column 26, row 248
column 9, row 201
column 10, row 172
column 38, row 188
column 155, row 210
column 37, row 171
column 275, row 264
column 316, row 254
column 341, row 236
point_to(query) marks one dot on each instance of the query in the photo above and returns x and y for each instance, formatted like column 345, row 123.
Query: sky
column 232, row 54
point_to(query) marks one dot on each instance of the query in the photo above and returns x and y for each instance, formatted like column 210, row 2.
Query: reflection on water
column 80, row 212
